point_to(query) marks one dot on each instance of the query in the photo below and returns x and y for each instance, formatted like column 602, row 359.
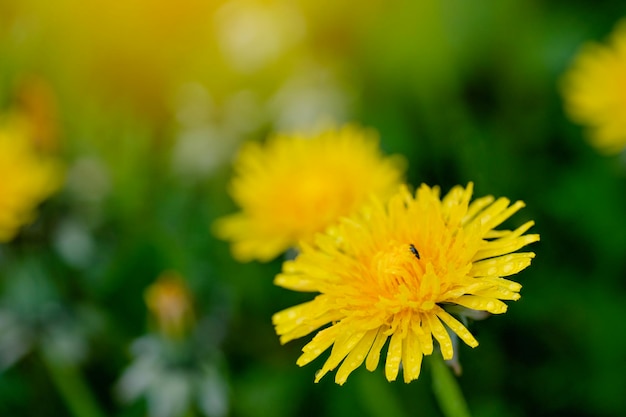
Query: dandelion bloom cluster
column 594, row 91
column 294, row 186
column 28, row 178
column 393, row 269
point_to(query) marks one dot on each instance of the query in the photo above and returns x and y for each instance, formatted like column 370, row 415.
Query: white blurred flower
column 310, row 100
column 200, row 151
column 32, row 317
column 88, row 180
column 169, row 383
column 252, row 34
column 209, row 135
column 73, row 241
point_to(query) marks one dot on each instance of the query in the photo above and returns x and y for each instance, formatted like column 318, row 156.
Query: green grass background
column 467, row 91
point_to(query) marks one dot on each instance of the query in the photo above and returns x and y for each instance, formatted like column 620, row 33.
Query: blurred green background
column 148, row 102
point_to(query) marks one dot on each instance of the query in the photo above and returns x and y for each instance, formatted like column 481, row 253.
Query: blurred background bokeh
column 116, row 300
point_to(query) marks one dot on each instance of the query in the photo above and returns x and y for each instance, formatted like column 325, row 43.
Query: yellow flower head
column 391, row 271
column 594, row 90
column 169, row 301
column 27, row 178
column 294, row 186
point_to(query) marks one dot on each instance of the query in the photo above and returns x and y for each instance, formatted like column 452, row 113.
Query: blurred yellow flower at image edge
column 28, row 178
column 391, row 271
column 594, row 91
column 294, row 186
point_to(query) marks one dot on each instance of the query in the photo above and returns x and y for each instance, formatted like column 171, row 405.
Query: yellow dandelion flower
column 294, row 186
column 392, row 270
column 593, row 91
column 28, row 178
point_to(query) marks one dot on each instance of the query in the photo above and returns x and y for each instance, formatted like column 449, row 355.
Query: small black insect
column 414, row 251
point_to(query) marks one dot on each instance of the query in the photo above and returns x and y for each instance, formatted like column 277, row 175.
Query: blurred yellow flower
column 393, row 270
column 293, row 187
column 28, row 177
column 593, row 90
column 36, row 110
column 169, row 302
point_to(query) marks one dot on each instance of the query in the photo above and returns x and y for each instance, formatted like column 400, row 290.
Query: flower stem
column 72, row 388
column 447, row 390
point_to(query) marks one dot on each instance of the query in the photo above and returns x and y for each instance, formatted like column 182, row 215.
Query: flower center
column 399, row 270
column 313, row 201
